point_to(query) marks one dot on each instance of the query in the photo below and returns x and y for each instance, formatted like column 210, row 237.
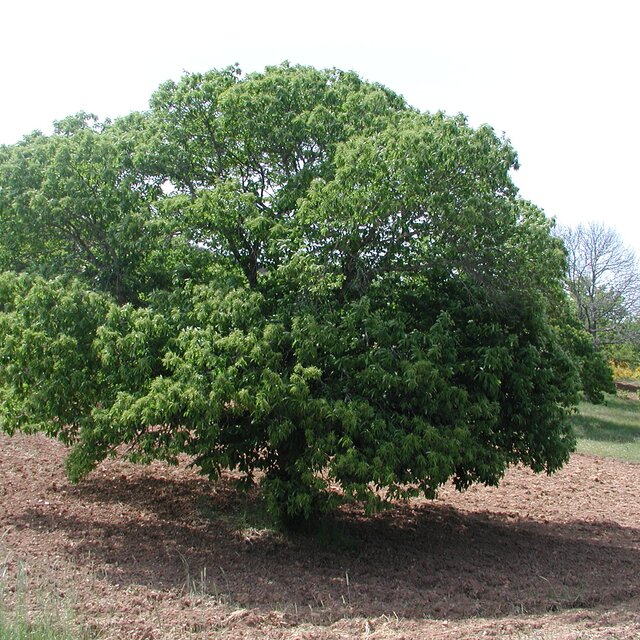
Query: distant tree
column 292, row 274
column 604, row 281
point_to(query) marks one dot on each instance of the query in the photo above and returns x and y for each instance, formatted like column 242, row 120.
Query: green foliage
column 596, row 376
column 626, row 352
column 48, row 363
column 329, row 288
column 76, row 203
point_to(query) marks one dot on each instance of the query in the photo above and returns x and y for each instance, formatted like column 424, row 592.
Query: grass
column 18, row 627
column 44, row 619
column 611, row 429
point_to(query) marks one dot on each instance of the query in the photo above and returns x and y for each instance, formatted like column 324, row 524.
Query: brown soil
column 158, row 552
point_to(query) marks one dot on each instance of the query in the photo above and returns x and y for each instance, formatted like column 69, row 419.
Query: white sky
column 560, row 78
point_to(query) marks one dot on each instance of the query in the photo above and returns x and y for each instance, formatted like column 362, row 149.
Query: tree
column 366, row 300
column 75, row 203
column 604, row 281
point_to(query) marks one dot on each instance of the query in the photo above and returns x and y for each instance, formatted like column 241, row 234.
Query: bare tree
column 604, row 280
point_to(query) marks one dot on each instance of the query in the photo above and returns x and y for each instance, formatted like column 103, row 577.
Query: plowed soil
column 158, row 552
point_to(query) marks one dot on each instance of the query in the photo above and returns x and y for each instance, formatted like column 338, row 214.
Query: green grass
column 17, row 627
column 29, row 612
column 611, row 429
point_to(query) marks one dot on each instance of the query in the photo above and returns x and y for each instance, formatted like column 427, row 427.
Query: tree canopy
column 291, row 273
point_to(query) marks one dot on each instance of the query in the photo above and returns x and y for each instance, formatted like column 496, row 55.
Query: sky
column 558, row 78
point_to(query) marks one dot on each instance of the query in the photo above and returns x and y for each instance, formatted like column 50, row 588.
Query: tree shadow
column 603, row 430
column 417, row 560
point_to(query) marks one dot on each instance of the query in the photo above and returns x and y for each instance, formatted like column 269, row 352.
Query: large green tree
column 322, row 285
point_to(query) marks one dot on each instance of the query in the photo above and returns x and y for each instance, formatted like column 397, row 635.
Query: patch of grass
column 18, row 627
column 28, row 613
column 611, row 429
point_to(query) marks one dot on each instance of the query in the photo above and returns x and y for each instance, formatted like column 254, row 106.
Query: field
column 156, row 552
column 612, row 429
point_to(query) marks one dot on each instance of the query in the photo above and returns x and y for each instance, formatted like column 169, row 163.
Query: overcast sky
column 559, row 78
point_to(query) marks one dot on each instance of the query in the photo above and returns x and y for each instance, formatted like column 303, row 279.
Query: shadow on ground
column 603, row 430
column 418, row 560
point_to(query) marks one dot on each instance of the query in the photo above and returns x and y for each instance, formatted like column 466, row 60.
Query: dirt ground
column 157, row 552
